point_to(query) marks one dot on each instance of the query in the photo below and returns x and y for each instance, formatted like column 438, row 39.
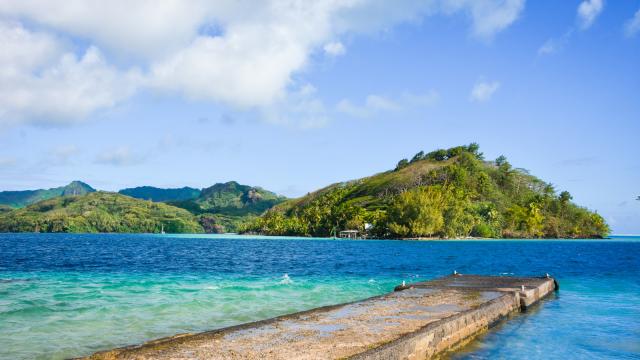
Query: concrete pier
column 418, row 321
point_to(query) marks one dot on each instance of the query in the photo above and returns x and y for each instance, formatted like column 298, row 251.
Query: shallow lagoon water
column 65, row 295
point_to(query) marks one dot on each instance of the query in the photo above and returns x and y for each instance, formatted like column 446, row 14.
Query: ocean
column 68, row 295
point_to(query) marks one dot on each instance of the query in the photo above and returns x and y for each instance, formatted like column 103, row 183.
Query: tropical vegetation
column 159, row 194
column 99, row 212
column 220, row 208
column 224, row 207
column 444, row 193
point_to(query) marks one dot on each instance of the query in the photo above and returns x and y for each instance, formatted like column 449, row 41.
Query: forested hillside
column 444, row 193
column 224, row 207
column 159, row 194
column 99, row 212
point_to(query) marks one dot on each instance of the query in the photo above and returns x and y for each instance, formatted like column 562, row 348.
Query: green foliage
column 18, row 199
column 402, row 164
column 231, row 199
column 565, row 197
column 99, row 212
column 224, row 207
column 223, row 223
column 500, row 160
column 418, row 156
column 159, row 194
column 445, row 193
column 417, row 212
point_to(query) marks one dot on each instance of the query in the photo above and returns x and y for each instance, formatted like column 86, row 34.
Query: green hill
column 445, row 193
column 99, row 212
column 18, row 199
column 159, row 194
column 224, row 206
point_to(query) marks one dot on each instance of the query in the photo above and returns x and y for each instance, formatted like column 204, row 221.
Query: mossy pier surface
column 417, row 321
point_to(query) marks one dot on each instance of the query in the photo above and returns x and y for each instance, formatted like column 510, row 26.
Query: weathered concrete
column 421, row 321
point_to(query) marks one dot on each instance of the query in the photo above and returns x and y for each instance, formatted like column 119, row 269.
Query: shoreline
column 236, row 235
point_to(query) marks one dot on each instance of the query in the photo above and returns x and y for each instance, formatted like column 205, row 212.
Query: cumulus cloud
column 119, row 156
column 482, row 91
column 334, row 48
column 138, row 28
column 632, row 26
column 42, row 81
column 376, row 104
column 588, row 11
column 85, row 54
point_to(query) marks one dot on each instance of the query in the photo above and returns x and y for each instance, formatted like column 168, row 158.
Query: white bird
column 403, row 283
column 522, row 287
column 548, row 275
column 455, row 272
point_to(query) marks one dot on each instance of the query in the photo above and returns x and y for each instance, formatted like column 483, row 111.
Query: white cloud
column 301, row 108
column 41, row 81
column 347, row 107
column 588, row 11
column 334, row 48
column 120, row 156
column 489, row 17
column 548, row 47
column 554, row 45
column 427, row 99
column 138, row 28
column 632, row 26
column 85, row 53
column 376, row 104
column 483, row 91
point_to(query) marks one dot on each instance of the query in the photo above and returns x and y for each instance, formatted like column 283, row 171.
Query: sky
column 295, row 95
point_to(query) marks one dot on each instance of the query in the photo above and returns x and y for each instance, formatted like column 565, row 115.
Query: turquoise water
column 65, row 295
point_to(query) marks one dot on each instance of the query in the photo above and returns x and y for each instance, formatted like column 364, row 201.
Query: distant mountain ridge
column 160, row 194
column 223, row 207
column 232, row 197
column 22, row 198
column 218, row 208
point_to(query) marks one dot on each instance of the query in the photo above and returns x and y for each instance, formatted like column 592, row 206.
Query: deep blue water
column 64, row 295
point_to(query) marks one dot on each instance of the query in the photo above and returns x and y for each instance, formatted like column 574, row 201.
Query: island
column 446, row 193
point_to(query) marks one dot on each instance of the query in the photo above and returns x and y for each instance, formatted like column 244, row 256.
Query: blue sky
column 292, row 98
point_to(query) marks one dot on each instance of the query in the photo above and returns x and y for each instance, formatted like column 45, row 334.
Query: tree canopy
column 444, row 193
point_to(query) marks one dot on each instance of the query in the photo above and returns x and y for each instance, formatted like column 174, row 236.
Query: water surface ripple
column 65, row 295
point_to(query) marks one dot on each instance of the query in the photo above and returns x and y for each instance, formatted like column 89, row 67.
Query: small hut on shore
column 349, row 234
